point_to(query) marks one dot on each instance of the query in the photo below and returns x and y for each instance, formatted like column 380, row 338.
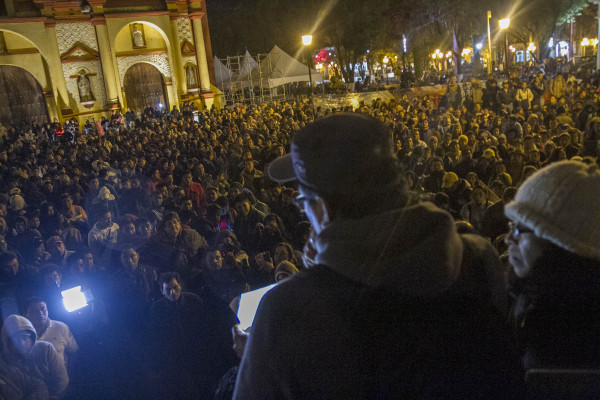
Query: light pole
column 306, row 41
column 385, row 61
column 504, row 24
column 489, row 16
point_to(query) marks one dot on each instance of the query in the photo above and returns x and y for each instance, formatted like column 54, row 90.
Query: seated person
column 55, row 332
column 554, row 251
column 192, row 336
column 21, row 349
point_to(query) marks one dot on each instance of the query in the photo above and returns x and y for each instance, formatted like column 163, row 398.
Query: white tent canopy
column 223, row 75
column 279, row 68
column 247, row 65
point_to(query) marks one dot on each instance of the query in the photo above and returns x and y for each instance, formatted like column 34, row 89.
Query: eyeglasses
column 517, row 230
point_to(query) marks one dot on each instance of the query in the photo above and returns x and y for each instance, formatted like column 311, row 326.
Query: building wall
column 59, row 44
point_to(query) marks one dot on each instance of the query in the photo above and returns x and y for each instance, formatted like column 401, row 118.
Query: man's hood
column 13, row 324
column 415, row 250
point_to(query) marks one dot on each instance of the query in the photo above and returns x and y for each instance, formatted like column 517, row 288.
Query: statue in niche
column 85, row 87
column 138, row 36
column 190, row 77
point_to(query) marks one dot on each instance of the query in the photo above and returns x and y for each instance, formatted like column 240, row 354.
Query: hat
column 337, row 154
column 559, row 203
column 17, row 202
column 449, row 179
column 103, row 194
column 489, row 153
column 564, row 126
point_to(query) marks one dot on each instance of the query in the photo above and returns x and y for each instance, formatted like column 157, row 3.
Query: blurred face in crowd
column 106, row 220
column 37, row 313
column 214, row 260
column 478, row 196
column 437, row 166
column 187, row 205
column 212, row 195
column 129, row 229
column 20, row 226
column 145, row 229
column 171, row 290
column 10, row 268
column 243, row 208
column 23, row 342
column 157, row 199
column 129, row 259
column 525, row 249
column 57, row 248
column 173, row 227
column 52, row 279
column 186, row 180
column 281, row 254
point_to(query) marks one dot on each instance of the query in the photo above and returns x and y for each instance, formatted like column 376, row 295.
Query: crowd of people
column 164, row 220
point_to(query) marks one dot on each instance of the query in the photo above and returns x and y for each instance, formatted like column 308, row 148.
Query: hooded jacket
column 42, row 362
column 401, row 306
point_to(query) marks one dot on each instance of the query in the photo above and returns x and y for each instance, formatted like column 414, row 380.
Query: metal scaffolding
column 250, row 80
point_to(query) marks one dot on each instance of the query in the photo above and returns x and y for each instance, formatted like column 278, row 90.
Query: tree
column 529, row 22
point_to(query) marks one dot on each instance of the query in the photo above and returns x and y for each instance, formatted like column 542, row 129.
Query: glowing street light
column 584, row 43
column 504, row 23
column 479, row 46
column 489, row 16
column 306, row 41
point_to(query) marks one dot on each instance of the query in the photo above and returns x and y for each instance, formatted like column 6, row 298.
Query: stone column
column 201, row 52
column 56, row 71
column 106, row 59
column 178, row 69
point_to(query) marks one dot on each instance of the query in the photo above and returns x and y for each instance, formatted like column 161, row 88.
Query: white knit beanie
column 561, row 203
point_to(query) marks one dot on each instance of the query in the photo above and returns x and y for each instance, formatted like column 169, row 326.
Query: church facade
column 85, row 58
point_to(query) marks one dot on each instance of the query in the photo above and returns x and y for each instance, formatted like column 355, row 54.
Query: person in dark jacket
column 554, row 250
column 396, row 304
column 192, row 339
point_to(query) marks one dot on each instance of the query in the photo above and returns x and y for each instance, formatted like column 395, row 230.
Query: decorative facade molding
column 160, row 61
column 184, row 30
column 185, row 60
column 68, row 35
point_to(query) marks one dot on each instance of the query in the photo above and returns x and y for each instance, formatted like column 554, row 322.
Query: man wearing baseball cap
column 398, row 305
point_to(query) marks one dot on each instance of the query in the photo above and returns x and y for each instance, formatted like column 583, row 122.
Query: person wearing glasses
column 396, row 303
column 554, row 250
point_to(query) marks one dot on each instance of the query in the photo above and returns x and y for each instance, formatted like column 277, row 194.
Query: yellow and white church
column 85, row 58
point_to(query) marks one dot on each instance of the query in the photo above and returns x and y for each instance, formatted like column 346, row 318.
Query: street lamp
column 385, row 61
column 306, row 41
column 489, row 16
column 504, row 24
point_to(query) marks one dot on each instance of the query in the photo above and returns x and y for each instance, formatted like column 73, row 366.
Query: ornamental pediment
column 188, row 49
column 79, row 52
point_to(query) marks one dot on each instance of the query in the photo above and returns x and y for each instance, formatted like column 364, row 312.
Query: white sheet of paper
column 249, row 302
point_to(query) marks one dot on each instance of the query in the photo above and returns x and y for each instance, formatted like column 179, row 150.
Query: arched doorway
column 144, row 85
column 21, row 97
